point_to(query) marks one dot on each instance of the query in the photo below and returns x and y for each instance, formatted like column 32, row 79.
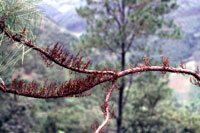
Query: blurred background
column 153, row 102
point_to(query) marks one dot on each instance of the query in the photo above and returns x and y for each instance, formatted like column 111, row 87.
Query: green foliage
column 20, row 15
column 194, row 94
column 68, row 120
column 150, row 108
column 20, row 18
column 107, row 28
column 17, row 114
column 147, row 104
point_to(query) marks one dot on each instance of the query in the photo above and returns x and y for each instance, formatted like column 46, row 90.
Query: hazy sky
column 64, row 5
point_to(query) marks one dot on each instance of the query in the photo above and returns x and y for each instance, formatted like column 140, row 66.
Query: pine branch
column 71, row 88
column 56, row 55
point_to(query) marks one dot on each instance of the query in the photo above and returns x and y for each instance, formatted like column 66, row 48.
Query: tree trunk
column 121, row 90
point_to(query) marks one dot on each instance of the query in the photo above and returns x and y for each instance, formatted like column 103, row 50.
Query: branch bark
column 107, row 110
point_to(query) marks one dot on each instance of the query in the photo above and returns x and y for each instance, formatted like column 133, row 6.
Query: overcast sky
column 64, row 5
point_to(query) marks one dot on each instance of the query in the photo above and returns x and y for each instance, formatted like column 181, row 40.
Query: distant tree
column 85, row 79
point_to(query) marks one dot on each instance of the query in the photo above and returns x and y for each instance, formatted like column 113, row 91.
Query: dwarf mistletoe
column 78, row 87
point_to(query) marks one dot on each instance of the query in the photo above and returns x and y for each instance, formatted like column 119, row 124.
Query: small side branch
column 107, row 110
